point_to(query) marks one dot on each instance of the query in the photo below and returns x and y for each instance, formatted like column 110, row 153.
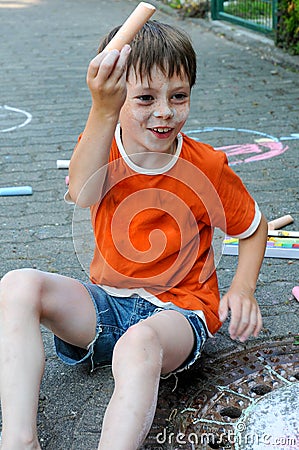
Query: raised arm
column 246, row 318
column 106, row 79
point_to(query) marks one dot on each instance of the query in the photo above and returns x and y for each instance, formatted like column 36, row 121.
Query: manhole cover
column 271, row 421
column 245, row 400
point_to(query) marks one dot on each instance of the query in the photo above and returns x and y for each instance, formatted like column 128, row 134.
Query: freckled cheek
column 139, row 116
column 130, row 114
column 180, row 115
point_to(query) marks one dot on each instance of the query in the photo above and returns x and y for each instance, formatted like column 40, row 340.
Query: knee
column 20, row 286
column 138, row 347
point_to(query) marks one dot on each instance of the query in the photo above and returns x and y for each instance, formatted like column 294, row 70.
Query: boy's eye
column 180, row 96
column 145, row 98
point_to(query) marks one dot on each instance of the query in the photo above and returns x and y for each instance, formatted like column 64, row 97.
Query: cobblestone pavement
column 45, row 49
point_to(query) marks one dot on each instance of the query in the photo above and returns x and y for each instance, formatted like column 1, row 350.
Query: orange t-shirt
column 154, row 230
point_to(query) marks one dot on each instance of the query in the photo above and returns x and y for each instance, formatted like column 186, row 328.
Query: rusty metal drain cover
column 245, row 400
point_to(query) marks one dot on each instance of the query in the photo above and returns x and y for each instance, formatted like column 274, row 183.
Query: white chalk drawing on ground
column 260, row 146
column 10, row 115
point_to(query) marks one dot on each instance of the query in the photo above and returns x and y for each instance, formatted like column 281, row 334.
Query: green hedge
column 287, row 35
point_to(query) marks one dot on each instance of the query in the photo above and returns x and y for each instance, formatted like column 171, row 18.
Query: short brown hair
column 162, row 45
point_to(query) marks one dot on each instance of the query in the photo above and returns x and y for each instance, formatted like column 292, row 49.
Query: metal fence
column 259, row 15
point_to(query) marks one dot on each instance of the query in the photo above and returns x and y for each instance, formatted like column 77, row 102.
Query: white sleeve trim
column 252, row 228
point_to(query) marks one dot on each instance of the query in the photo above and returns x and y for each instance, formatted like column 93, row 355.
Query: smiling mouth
column 162, row 130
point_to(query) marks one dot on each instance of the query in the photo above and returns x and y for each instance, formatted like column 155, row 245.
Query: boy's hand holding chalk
column 106, row 80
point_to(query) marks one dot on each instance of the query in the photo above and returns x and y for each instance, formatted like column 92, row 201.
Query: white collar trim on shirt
column 143, row 170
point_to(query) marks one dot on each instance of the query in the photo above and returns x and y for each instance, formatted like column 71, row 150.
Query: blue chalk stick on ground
column 15, row 190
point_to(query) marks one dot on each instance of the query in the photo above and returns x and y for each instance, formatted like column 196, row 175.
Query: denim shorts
column 114, row 316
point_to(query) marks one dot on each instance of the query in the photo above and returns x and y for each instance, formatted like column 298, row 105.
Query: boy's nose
column 163, row 111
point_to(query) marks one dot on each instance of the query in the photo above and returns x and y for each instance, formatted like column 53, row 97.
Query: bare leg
column 28, row 298
column 160, row 343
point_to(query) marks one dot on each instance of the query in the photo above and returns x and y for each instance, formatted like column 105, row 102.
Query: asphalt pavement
column 246, row 101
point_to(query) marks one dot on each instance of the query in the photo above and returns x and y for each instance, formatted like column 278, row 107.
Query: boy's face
column 154, row 112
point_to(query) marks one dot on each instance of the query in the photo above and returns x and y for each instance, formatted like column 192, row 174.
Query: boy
column 155, row 196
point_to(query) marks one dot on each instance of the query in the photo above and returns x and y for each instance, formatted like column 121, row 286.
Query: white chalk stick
column 283, row 233
column 62, row 163
column 132, row 25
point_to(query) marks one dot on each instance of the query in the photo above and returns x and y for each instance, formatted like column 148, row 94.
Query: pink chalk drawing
column 264, row 146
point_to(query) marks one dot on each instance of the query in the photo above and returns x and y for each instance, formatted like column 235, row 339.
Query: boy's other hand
column 246, row 319
column 106, row 79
